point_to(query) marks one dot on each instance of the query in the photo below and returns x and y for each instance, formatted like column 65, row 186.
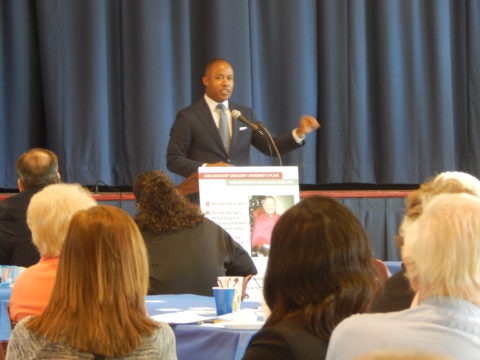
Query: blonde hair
column 402, row 355
column 442, row 248
column 470, row 182
column 97, row 304
column 49, row 214
column 443, row 183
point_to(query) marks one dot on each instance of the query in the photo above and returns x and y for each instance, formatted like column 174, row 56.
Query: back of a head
column 49, row 214
column 153, row 184
column 448, row 182
column 97, row 303
column 468, row 181
column 37, row 167
column 108, row 240
column 161, row 208
column 405, row 354
column 442, row 248
column 319, row 251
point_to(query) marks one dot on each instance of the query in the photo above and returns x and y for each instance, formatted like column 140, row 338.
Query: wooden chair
column 4, row 343
column 3, row 349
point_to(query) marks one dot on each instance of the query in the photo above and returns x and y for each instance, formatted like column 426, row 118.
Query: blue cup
column 224, row 300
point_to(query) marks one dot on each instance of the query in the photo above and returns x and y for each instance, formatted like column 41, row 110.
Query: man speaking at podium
column 206, row 134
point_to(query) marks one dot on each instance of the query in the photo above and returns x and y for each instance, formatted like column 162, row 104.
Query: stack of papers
column 190, row 316
column 195, row 309
column 245, row 319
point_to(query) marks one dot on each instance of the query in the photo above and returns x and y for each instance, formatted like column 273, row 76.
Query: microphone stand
column 264, row 131
column 237, row 115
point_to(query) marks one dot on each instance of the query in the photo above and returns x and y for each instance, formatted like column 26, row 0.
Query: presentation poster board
column 247, row 201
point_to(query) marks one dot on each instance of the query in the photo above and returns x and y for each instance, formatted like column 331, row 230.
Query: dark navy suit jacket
column 16, row 247
column 195, row 140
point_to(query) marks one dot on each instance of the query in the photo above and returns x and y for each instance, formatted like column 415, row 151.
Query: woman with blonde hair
column 97, row 308
column 48, row 217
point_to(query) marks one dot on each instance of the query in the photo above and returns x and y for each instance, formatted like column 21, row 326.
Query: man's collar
column 212, row 104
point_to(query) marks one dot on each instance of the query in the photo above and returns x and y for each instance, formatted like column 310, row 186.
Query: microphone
column 237, row 115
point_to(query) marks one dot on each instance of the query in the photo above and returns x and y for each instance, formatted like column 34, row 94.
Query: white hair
column 442, row 247
column 445, row 182
column 50, row 211
column 467, row 180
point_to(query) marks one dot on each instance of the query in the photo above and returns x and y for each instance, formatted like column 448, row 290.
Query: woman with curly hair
column 319, row 271
column 187, row 251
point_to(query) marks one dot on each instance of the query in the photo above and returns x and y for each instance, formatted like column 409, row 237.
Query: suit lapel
column 205, row 117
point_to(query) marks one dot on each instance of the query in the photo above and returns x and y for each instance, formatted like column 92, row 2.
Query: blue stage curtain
column 395, row 84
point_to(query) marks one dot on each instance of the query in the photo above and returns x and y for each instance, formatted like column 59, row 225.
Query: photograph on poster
column 265, row 210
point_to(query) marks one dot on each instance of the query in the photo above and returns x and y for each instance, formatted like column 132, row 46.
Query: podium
column 230, row 195
column 189, row 185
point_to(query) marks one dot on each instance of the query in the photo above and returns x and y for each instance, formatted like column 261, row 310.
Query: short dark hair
column 213, row 61
column 37, row 167
column 320, row 268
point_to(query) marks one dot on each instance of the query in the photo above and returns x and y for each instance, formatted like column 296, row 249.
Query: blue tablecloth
column 196, row 342
column 201, row 342
column 193, row 341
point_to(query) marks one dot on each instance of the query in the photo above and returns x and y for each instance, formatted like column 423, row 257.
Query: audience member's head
column 402, row 355
column 398, row 294
column 320, row 267
column 49, row 214
column 161, row 208
column 97, row 304
column 441, row 249
column 37, row 167
column 446, row 182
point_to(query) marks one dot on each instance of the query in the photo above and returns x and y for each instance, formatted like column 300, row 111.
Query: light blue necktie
column 223, row 127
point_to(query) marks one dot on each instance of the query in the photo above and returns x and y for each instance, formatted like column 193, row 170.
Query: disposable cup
column 224, row 300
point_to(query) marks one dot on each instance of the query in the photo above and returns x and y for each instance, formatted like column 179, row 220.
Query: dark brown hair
column 320, row 267
column 37, row 167
column 161, row 208
column 209, row 65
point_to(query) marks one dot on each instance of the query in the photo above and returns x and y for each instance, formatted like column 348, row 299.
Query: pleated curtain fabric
column 223, row 127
